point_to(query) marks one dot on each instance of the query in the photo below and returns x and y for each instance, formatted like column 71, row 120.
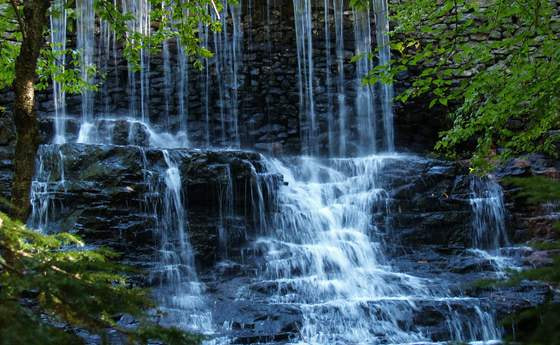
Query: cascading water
column 180, row 294
column 205, row 78
column 489, row 219
column 58, row 21
column 107, row 51
column 49, row 180
column 324, row 255
column 489, row 235
column 328, row 79
column 183, row 90
column 322, row 252
column 167, row 82
column 139, row 101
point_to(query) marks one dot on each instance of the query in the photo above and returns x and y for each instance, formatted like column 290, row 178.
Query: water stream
column 324, row 254
column 322, row 250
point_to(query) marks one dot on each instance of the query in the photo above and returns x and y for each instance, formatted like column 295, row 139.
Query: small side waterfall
column 490, row 239
column 49, row 179
column 489, row 219
column 180, row 294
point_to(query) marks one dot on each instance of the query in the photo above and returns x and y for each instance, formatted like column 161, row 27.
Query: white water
column 180, row 294
column 489, row 219
column 183, row 90
column 490, row 240
column 102, row 131
column 324, row 254
column 139, row 91
column 338, row 6
column 48, row 180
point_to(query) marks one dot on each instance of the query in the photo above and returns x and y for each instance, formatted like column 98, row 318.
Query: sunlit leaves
column 68, row 75
column 170, row 20
column 496, row 63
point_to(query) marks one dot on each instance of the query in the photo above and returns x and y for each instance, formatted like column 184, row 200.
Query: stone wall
column 268, row 87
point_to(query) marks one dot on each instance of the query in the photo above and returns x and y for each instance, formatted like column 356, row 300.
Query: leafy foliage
column 176, row 19
column 496, row 63
column 49, row 280
column 9, row 48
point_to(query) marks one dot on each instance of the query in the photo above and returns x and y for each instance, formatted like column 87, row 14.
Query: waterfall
column 167, row 82
column 228, row 59
column 381, row 9
column 338, row 6
column 107, row 51
column 180, row 294
column 328, row 80
column 85, row 22
column 490, row 240
column 203, row 32
column 304, row 41
column 488, row 224
column 365, row 97
column 225, row 210
column 324, row 254
column 140, row 9
column 49, row 179
column 58, row 21
column 183, row 94
column 357, row 127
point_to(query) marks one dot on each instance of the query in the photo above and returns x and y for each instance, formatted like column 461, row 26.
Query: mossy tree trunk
column 33, row 23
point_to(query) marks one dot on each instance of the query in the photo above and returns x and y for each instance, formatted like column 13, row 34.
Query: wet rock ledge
column 111, row 195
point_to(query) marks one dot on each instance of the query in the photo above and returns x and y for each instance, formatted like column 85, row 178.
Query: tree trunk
column 34, row 21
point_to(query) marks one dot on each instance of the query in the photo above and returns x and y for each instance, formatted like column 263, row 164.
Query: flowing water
column 304, row 42
column 322, row 250
column 58, row 22
column 180, row 294
column 489, row 231
column 85, row 43
column 324, row 254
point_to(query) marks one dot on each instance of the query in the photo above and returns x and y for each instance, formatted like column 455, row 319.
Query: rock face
column 107, row 194
column 531, row 221
column 7, row 150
